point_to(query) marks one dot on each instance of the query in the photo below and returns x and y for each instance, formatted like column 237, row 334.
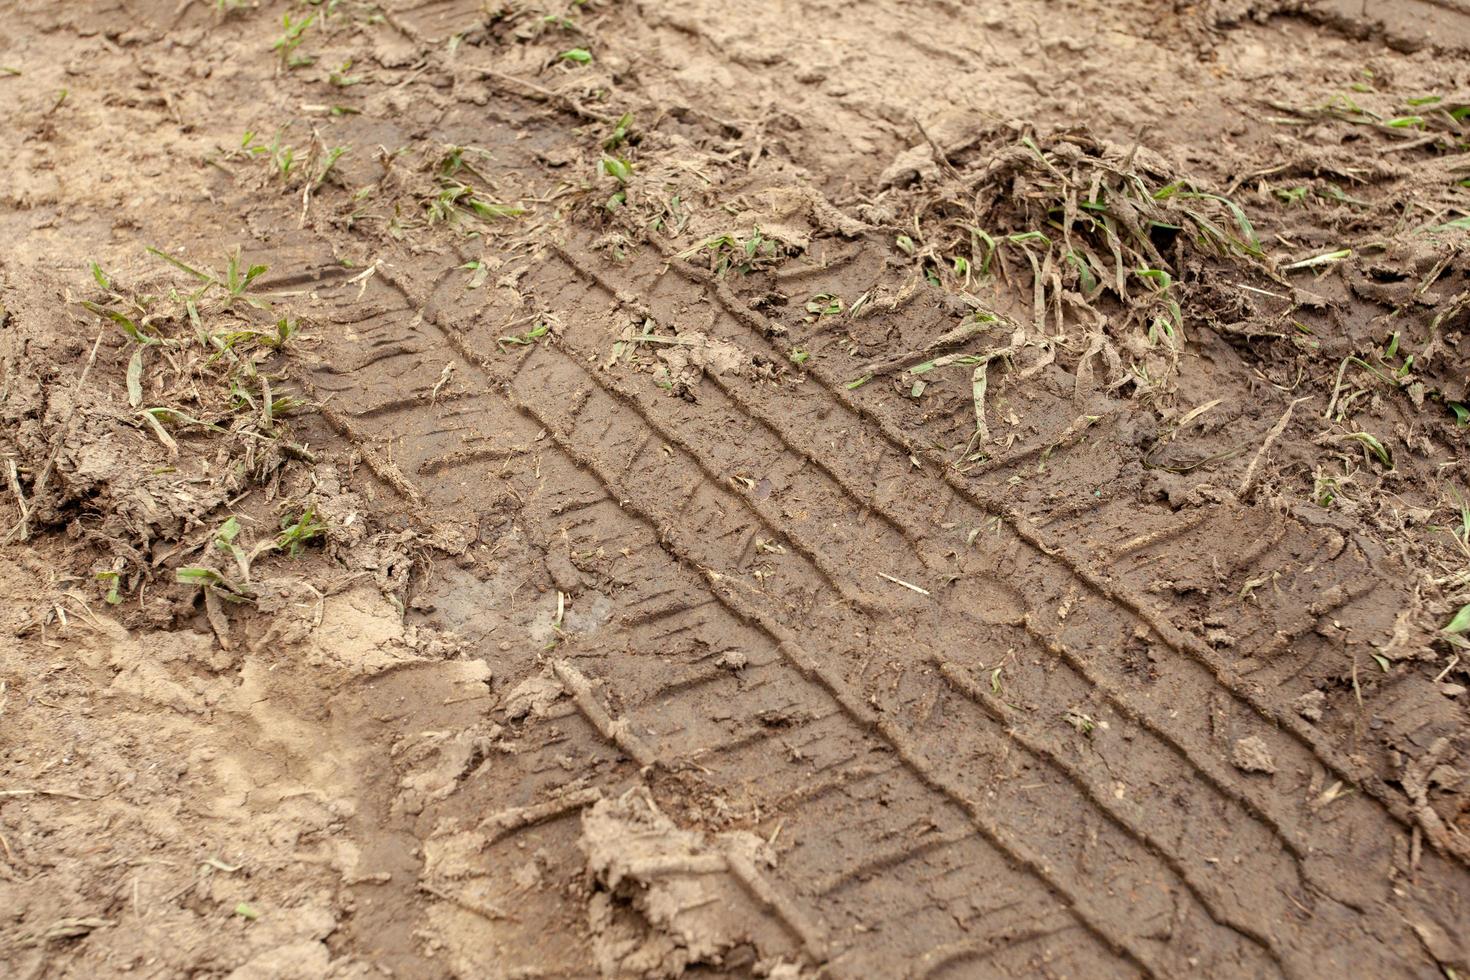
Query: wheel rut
column 893, row 466
column 812, row 716
column 946, row 717
column 726, row 626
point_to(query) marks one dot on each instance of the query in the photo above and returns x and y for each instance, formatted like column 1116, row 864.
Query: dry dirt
column 784, row 489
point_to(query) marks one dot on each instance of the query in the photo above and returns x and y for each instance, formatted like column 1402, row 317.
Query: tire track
column 791, row 655
column 542, row 365
column 914, row 529
column 797, row 657
column 1318, row 859
column 903, row 525
column 763, row 330
column 1135, row 825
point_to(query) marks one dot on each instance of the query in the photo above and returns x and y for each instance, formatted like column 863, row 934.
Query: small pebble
column 1310, row 705
column 1251, row 755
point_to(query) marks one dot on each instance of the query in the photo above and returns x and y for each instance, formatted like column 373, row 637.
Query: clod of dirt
column 564, row 575
column 789, row 216
column 1310, row 705
column 784, row 971
column 172, row 672
column 665, row 903
column 1251, row 755
column 532, row 697
column 732, row 660
column 697, row 354
column 438, row 761
column 909, row 166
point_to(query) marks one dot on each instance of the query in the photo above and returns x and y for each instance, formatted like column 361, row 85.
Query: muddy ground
column 642, row 489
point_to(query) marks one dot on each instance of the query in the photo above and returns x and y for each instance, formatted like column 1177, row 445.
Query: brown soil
column 934, row 490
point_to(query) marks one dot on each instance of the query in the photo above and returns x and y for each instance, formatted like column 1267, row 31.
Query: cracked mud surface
column 782, row 490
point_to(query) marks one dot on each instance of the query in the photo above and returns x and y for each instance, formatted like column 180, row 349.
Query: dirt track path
column 763, row 636
column 817, row 635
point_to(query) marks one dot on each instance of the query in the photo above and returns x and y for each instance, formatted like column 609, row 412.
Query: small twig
column 950, row 338
column 443, row 380
column 20, row 499
column 1271, row 437
column 1337, row 387
column 906, row 585
column 506, row 822
column 532, row 90
column 939, row 156
column 482, row 909
column 1413, row 144
column 65, row 929
column 1446, row 837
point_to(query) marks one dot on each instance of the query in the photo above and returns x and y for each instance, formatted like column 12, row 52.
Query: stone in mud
column 732, row 660
column 1310, row 705
column 564, row 575
column 1251, row 755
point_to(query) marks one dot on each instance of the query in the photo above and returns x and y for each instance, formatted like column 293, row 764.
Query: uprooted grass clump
column 1089, row 247
column 1090, row 226
column 181, row 411
column 1101, row 258
column 455, row 197
column 743, row 253
column 1433, row 120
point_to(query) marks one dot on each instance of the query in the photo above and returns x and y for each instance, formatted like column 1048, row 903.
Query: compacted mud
column 636, row 489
